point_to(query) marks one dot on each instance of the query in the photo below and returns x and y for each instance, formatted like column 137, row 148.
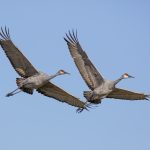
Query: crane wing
column 19, row 62
column 87, row 70
column 59, row 94
column 127, row 95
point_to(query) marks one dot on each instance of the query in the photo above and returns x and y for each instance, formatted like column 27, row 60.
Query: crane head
column 61, row 72
column 126, row 75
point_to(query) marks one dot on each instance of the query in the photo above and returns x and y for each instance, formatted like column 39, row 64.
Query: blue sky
column 115, row 34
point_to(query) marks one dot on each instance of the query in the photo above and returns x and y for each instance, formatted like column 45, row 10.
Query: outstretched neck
column 53, row 76
column 118, row 80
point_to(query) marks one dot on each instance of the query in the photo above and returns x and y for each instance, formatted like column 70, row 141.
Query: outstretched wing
column 127, row 95
column 87, row 70
column 19, row 62
column 57, row 93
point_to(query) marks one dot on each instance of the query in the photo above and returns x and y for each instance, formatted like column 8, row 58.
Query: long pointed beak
column 130, row 76
column 67, row 73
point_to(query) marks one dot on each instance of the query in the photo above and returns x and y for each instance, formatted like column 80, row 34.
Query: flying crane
column 31, row 78
column 100, row 88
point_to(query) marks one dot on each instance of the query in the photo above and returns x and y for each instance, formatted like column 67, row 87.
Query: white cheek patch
column 61, row 72
column 126, row 76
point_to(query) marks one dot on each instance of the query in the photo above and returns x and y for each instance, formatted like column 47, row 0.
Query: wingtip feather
column 5, row 33
column 147, row 97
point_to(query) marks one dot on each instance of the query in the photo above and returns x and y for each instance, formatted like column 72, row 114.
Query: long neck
column 53, row 76
column 118, row 80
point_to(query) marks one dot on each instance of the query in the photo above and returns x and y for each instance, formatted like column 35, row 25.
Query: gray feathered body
column 102, row 91
column 105, row 88
column 36, row 81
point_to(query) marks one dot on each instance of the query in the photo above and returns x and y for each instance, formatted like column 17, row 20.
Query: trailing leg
column 13, row 92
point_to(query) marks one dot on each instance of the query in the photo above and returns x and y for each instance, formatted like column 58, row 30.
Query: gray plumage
column 31, row 78
column 100, row 87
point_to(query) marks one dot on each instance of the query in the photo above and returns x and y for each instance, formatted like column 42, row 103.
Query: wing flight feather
column 59, row 94
column 19, row 62
column 87, row 70
column 127, row 95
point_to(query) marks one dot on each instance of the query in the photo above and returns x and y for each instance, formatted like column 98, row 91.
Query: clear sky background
column 116, row 36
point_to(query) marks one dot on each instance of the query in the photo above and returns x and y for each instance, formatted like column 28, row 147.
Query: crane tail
column 92, row 98
column 24, row 89
column 19, row 81
column 87, row 95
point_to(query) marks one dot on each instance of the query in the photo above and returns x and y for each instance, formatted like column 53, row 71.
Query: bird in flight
column 31, row 78
column 100, row 87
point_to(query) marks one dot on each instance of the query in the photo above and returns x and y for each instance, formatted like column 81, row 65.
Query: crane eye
column 61, row 71
column 126, row 75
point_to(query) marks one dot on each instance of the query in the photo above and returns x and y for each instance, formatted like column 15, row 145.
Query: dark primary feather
column 19, row 62
column 127, row 95
column 57, row 93
column 87, row 70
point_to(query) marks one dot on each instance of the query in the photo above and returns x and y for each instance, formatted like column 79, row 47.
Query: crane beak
column 129, row 76
column 66, row 73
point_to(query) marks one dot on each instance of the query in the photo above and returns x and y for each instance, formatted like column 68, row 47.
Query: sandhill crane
column 31, row 78
column 100, row 87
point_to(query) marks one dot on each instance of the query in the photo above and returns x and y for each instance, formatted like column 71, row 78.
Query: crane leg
column 13, row 92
